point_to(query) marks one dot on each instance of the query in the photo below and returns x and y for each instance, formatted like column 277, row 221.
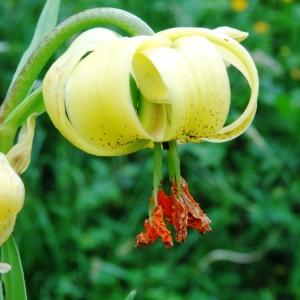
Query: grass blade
column 1, row 291
column 131, row 295
column 14, row 283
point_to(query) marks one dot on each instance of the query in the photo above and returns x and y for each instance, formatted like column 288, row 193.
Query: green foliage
column 76, row 233
column 14, row 280
column 47, row 21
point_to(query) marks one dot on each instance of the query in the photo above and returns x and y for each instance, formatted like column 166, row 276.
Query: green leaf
column 131, row 295
column 14, row 283
column 47, row 21
column 1, row 291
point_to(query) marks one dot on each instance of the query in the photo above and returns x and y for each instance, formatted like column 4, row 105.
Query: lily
column 111, row 95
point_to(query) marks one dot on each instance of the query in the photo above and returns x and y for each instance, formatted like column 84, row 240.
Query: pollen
column 180, row 210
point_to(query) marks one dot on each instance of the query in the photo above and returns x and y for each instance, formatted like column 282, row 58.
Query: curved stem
column 87, row 19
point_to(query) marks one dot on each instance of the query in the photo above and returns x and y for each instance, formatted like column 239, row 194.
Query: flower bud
column 12, row 193
column 20, row 154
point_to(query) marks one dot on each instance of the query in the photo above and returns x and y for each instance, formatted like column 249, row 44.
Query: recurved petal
column 209, row 110
column 88, row 98
column 233, row 53
column 176, row 86
column 54, row 88
column 237, row 56
column 235, row 34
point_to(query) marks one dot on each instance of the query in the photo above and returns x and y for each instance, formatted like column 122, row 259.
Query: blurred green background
column 77, row 230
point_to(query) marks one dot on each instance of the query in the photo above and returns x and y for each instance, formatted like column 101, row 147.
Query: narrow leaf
column 1, row 291
column 131, row 295
column 14, row 283
column 47, row 21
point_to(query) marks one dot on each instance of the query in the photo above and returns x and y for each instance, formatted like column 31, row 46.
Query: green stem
column 174, row 163
column 7, row 135
column 32, row 104
column 157, row 170
column 77, row 23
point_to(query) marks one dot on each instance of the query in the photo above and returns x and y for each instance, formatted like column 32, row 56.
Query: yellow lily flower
column 111, row 95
